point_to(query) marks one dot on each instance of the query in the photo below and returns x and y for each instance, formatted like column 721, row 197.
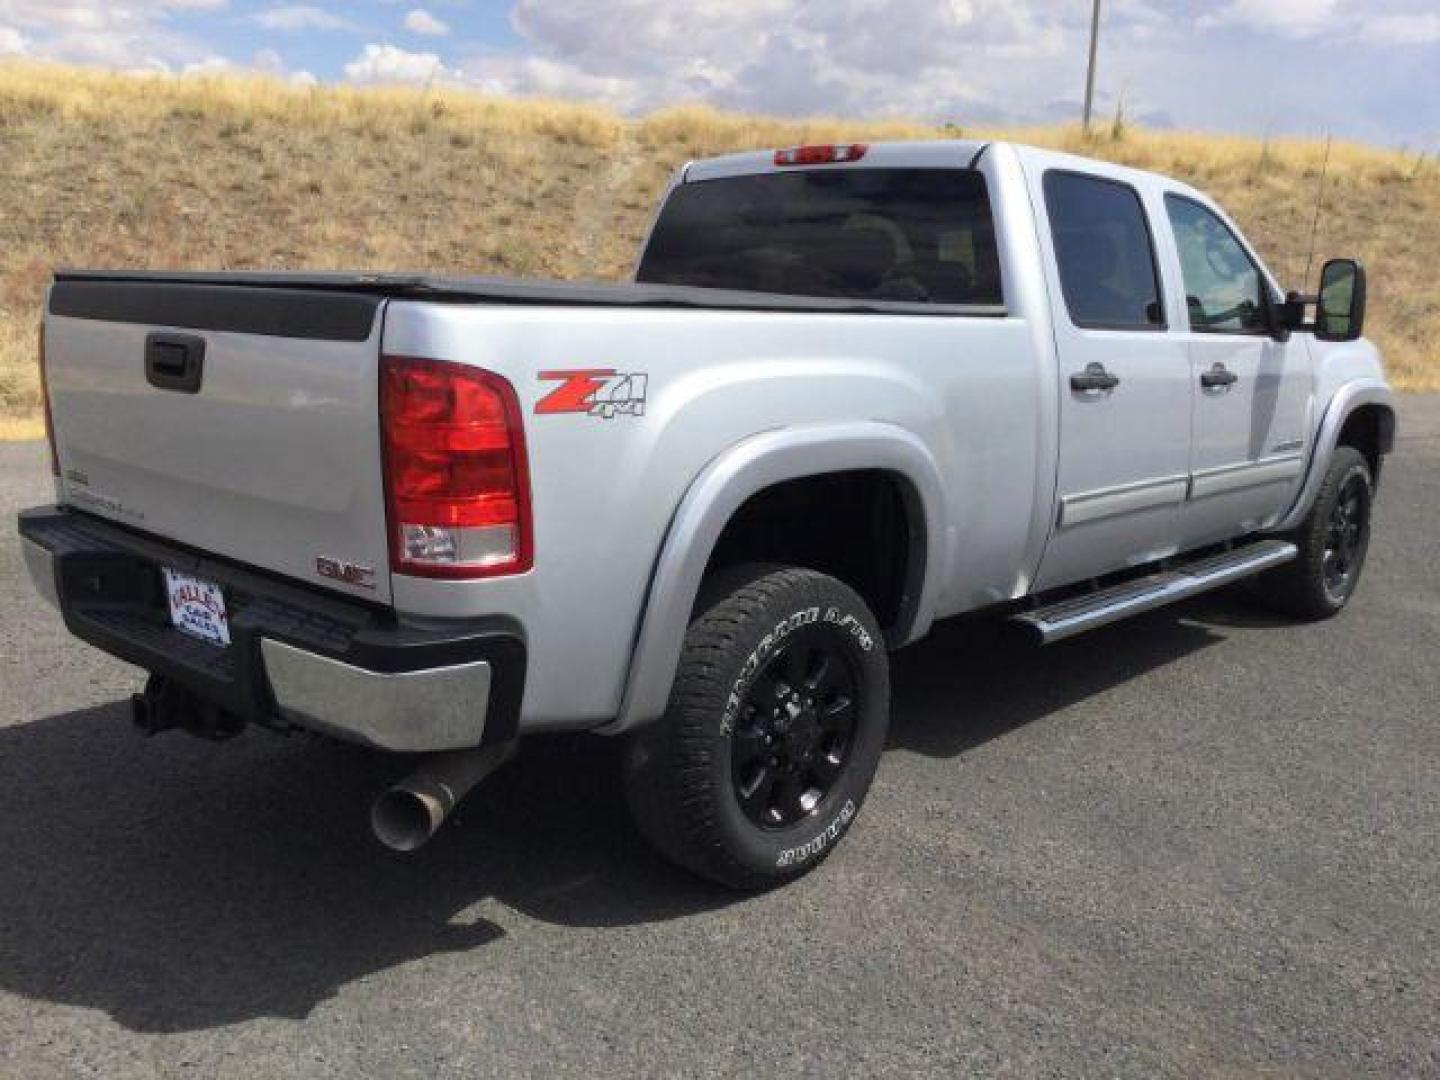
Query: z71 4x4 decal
column 600, row 392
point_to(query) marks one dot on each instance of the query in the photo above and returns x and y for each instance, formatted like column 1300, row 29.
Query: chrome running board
column 1066, row 618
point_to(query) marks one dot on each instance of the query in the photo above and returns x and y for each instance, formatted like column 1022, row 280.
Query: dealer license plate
column 197, row 607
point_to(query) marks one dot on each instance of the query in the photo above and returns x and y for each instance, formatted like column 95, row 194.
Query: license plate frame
column 197, row 607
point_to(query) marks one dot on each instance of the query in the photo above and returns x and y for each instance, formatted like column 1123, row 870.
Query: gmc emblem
column 347, row 573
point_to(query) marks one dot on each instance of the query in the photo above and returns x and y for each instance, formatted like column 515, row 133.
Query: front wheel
column 1332, row 541
column 775, row 726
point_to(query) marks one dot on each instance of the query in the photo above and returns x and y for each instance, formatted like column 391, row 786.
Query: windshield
column 916, row 235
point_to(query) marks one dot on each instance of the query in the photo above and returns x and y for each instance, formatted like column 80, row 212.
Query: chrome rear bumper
column 41, row 565
column 432, row 709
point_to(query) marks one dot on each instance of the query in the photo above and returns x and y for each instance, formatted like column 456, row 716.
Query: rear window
column 910, row 235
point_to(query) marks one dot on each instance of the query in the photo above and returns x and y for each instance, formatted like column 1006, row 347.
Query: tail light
column 820, row 155
column 45, row 400
column 456, row 480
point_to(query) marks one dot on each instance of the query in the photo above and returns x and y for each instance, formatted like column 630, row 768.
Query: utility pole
column 1090, row 71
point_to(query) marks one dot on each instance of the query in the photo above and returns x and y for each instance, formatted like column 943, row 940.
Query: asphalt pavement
column 1202, row 843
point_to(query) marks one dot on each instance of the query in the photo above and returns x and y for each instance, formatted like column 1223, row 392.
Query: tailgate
column 242, row 421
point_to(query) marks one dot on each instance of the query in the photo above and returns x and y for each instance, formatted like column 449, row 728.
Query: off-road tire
column 680, row 770
column 1307, row 587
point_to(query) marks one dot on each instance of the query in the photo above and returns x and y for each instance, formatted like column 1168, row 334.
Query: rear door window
column 913, row 235
column 1104, row 251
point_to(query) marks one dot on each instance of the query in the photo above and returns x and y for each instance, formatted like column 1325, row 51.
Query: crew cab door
column 1252, row 394
column 1124, row 380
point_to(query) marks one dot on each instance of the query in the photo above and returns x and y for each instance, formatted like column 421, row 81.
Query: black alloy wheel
column 794, row 731
column 1347, row 537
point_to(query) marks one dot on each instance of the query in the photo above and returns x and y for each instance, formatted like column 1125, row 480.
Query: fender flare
column 1350, row 397
column 723, row 487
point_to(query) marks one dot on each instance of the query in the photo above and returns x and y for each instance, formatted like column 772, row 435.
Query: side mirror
column 1340, row 311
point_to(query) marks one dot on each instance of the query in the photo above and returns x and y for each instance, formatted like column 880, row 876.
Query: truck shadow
column 180, row 886
column 974, row 679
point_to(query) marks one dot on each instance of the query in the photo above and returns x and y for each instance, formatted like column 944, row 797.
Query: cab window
column 1102, row 245
column 1224, row 289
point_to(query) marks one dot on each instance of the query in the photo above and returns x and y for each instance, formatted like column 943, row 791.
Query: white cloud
column 211, row 65
column 96, row 14
column 388, row 64
column 265, row 62
column 121, row 35
column 12, row 42
column 422, row 22
column 302, row 17
column 1419, row 28
column 554, row 79
column 1287, row 18
column 1328, row 19
column 932, row 58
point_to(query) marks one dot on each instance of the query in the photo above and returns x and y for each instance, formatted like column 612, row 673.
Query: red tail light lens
column 820, row 155
column 45, row 400
column 457, row 483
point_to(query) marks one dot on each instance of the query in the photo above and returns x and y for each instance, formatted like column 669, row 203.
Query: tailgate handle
column 175, row 362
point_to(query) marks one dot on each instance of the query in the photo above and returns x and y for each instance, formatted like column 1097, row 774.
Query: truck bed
column 275, row 463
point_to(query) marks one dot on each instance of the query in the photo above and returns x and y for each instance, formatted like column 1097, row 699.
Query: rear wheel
column 1332, row 540
column 774, row 729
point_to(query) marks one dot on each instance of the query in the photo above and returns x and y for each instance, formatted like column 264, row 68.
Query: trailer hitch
column 166, row 704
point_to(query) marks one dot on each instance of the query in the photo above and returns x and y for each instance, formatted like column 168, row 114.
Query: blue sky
column 1366, row 69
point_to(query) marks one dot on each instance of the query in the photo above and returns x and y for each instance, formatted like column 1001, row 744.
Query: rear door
column 1125, row 382
column 1252, row 393
column 241, row 421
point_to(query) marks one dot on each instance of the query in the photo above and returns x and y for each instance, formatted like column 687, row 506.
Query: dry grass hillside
column 147, row 171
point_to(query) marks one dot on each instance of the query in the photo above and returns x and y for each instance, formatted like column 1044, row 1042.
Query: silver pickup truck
column 853, row 390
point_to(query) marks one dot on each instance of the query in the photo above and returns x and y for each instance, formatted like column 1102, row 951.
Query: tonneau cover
column 74, row 287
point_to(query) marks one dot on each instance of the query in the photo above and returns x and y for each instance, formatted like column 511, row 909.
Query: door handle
column 1218, row 376
column 1094, row 377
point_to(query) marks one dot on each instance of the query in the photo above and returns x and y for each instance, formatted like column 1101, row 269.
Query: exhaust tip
column 407, row 815
column 405, row 820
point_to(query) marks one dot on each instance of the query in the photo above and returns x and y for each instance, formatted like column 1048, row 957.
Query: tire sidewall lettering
column 844, row 621
column 803, row 853
column 851, row 625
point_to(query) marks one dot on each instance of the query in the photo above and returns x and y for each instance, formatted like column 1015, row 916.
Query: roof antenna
column 1315, row 221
